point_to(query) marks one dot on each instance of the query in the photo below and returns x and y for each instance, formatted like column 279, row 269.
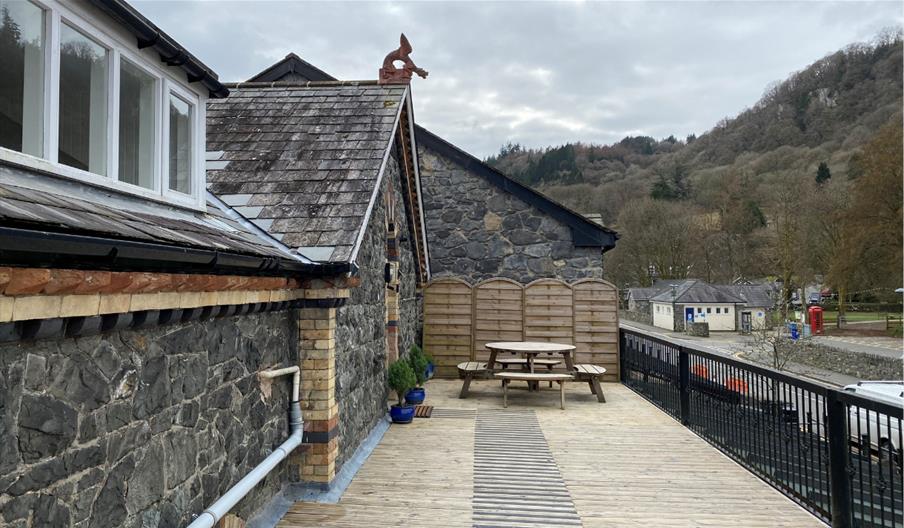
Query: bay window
column 77, row 94
column 22, row 81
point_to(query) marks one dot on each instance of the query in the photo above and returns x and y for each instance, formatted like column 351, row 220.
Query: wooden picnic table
column 530, row 350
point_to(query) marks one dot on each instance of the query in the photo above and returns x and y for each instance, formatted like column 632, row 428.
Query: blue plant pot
column 415, row 396
column 431, row 369
column 401, row 414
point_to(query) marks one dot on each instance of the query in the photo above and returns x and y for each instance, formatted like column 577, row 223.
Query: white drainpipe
column 209, row 517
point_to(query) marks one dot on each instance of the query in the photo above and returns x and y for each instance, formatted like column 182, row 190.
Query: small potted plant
column 418, row 363
column 401, row 380
column 431, row 366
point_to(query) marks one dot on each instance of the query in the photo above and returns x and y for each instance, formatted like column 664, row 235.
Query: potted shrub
column 431, row 366
column 401, row 380
column 418, row 363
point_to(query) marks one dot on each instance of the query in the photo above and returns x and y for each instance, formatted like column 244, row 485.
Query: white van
column 881, row 431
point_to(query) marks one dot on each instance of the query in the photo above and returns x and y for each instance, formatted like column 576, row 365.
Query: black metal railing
column 836, row 453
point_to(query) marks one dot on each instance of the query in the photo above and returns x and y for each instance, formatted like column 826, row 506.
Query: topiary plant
column 401, row 378
column 418, row 363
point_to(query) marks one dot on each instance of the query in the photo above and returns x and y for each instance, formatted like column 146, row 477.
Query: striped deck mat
column 464, row 414
column 423, row 411
column 516, row 480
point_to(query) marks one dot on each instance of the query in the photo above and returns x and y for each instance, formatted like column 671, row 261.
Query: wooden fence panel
column 548, row 312
column 447, row 324
column 498, row 314
column 460, row 319
column 596, row 324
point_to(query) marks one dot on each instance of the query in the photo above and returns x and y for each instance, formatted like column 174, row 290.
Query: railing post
column 684, row 375
column 839, row 480
column 622, row 349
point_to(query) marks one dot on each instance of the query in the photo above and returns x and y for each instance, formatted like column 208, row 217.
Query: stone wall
column 678, row 317
column 361, row 332
column 476, row 231
column 410, row 298
column 634, row 315
column 361, row 342
column 141, row 427
column 698, row 329
column 858, row 365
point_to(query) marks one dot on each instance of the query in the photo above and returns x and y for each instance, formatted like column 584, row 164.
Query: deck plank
column 625, row 464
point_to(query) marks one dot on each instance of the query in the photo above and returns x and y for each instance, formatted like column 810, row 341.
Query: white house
column 695, row 301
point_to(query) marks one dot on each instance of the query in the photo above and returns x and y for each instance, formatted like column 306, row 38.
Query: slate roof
column 32, row 202
column 642, row 294
column 585, row 230
column 756, row 295
column 302, row 160
column 292, row 68
column 695, row 291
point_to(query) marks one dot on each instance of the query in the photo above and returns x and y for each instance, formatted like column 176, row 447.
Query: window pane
column 83, row 102
column 179, row 145
column 136, row 125
column 22, row 79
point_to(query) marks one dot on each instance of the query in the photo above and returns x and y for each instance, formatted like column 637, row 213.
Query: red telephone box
column 816, row 320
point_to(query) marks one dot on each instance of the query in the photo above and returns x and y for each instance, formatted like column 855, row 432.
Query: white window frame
column 158, row 118
column 119, row 46
column 174, row 89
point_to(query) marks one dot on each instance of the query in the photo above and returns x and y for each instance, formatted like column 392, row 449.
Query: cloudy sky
column 539, row 73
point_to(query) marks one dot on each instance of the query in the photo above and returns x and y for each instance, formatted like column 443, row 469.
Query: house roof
column 43, row 213
column 758, row 295
column 585, row 232
column 302, row 160
column 292, row 69
column 642, row 294
column 171, row 52
column 695, row 291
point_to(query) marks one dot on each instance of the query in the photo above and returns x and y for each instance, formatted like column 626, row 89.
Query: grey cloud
column 540, row 73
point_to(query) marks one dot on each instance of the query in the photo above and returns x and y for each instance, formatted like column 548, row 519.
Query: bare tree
column 772, row 346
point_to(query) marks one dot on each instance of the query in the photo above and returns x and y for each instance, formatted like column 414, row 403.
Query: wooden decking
column 624, row 463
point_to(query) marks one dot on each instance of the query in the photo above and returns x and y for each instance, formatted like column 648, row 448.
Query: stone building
column 137, row 308
column 482, row 224
column 163, row 244
column 694, row 301
column 479, row 222
column 326, row 168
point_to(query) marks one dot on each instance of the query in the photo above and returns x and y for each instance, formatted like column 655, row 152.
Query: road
column 733, row 345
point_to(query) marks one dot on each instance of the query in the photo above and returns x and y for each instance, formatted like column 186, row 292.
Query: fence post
column 839, row 480
column 684, row 375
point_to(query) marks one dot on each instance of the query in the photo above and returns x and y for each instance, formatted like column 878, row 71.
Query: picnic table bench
column 583, row 372
column 529, row 377
column 591, row 374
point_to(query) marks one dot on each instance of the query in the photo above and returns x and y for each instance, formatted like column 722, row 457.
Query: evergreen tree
column 823, row 174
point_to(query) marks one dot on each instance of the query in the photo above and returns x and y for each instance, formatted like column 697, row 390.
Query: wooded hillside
column 724, row 204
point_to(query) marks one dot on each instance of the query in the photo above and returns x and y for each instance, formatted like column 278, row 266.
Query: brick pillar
column 392, row 294
column 317, row 349
column 392, row 324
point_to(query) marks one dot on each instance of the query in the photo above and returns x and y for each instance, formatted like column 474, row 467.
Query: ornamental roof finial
column 390, row 74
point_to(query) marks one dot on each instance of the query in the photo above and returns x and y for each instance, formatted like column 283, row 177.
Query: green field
column 856, row 316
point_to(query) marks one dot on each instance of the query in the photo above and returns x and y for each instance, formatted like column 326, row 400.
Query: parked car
column 883, row 433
